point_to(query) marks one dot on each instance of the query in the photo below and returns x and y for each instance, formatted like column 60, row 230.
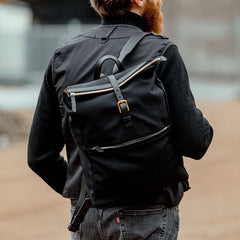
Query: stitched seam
column 167, row 47
column 109, row 37
column 123, row 225
column 99, row 224
column 121, row 25
column 53, row 65
column 93, row 179
column 143, row 214
column 165, row 217
column 144, row 211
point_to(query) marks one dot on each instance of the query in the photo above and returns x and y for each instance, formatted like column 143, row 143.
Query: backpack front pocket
column 140, row 165
column 131, row 142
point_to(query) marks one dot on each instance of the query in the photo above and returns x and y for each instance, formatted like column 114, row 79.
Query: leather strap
column 122, row 103
column 100, row 62
column 130, row 45
column 116, row 88
column 82, row 206
column 74, row 105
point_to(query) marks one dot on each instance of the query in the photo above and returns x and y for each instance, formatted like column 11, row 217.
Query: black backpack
column 122, row 125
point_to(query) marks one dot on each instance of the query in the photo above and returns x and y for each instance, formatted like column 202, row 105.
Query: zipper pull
column 99, row 149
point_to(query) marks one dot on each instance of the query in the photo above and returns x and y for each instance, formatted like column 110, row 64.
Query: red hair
column 110, row 8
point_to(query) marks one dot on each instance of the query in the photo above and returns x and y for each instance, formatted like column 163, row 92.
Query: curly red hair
column 110, row 8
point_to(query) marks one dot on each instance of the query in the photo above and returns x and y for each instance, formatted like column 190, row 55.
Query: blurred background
column 208, row 36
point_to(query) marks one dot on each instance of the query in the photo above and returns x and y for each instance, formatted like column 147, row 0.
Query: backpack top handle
column 100, row 62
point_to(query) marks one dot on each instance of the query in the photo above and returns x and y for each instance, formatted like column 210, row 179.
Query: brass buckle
column 121, row 102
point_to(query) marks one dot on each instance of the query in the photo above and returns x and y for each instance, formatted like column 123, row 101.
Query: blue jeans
column 140, row 222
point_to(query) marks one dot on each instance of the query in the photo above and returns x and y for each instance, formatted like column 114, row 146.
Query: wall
column 205, row 32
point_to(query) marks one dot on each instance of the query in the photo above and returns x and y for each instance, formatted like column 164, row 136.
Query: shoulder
column 67, row 48
column 90, row 33
column 165, row 45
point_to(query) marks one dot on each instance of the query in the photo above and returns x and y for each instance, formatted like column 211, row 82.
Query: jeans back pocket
column 141, row 224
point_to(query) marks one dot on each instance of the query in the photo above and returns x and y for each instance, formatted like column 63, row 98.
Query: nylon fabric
column 116, row 169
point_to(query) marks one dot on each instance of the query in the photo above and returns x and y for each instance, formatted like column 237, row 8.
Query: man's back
column 74, row 63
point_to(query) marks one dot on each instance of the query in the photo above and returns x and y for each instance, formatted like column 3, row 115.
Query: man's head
column 150, row 10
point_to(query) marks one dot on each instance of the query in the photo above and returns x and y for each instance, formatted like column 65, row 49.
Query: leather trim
column 99, row 85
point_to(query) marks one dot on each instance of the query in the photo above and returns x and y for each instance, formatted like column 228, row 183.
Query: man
column 147, row 216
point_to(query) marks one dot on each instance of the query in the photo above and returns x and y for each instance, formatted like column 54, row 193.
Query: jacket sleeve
column 46, row 139
column 192, row 133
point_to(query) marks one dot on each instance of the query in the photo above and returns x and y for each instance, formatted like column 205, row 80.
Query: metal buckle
column 121, row 102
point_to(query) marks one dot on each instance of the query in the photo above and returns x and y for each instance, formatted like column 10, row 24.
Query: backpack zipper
column 73, row 94
column 125, row 144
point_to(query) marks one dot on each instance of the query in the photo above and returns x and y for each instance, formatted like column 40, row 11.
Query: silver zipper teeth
column 110, row 89
column 97, row 148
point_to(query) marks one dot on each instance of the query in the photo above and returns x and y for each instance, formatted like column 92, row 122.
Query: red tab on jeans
column 118, row 220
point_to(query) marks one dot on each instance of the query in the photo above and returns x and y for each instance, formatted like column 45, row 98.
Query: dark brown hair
column 109, row 8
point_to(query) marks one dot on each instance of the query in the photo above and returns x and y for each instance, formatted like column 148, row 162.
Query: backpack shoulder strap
column 82, row 206
column 130, row 45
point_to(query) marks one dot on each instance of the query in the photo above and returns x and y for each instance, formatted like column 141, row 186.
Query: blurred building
column 63, row 11
column 59, row 11
column 207, row 33
column 15, row 23
column 31, row 31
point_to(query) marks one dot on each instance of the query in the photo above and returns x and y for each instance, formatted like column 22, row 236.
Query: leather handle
column 100, row 62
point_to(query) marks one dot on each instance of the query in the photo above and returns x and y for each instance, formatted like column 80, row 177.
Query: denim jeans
column 140, row 222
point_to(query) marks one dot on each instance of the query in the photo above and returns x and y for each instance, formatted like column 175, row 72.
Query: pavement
column 210, row 210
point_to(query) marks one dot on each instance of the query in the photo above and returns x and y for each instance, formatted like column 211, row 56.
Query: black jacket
column 73, row 63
